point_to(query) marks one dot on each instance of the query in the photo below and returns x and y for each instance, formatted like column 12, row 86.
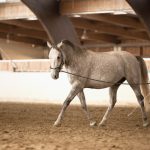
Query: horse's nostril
column 55, row 77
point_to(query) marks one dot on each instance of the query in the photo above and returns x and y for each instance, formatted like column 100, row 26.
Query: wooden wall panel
column 68, row 7
column 26, row 66
column 14, row 11
column 146, row 52
column 133, row 50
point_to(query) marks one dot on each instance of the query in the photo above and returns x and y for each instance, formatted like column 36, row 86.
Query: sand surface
column 30, row 127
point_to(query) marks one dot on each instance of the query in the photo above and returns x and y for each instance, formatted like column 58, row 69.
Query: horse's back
column 127, row 58
column 132, row 67
column 114, row 65
column 105, row 66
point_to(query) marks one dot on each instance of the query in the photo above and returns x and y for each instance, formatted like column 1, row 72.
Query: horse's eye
column 58, row 57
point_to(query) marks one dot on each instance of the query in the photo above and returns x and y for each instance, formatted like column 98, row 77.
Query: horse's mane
column 74, row 47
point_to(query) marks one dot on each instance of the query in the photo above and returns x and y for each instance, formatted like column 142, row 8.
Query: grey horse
column 110, row 68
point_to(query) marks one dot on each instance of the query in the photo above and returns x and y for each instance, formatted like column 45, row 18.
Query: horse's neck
column 73, row 59
column 70, row 56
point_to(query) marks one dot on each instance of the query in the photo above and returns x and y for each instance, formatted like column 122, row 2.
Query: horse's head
column 56, row 60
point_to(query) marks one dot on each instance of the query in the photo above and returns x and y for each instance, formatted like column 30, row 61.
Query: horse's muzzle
column 55, row 77
column 55, row 74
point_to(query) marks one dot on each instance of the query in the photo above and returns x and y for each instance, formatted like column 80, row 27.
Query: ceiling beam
column 29, row 24
column 28, row 40
column 70, row 7
column 10, row 29
column 90, row 36
column 85, row 35
column 95, row 44
column 120, row 20
column 102, row 37
column 14, row 11
column 118, row 31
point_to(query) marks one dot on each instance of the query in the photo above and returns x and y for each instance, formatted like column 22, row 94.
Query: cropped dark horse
column 111, row 68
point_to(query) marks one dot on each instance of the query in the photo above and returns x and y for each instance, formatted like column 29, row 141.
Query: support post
column 142, row 8
column 57, row 27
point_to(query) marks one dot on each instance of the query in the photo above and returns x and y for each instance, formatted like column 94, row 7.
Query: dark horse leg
column 112, row 93
column 84, row 106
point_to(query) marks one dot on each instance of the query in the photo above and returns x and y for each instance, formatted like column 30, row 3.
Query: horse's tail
column 144, row 86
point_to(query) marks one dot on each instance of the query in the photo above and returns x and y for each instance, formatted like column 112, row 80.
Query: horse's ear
column 60, row 45
column 49, row 45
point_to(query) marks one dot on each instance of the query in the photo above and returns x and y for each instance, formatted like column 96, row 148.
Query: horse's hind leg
column 84, row 106
column 112, row 93
column 140, row 98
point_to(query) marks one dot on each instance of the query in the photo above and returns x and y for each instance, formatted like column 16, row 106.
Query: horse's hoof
column 146, row 124
column 57, row 124
column 93, row 124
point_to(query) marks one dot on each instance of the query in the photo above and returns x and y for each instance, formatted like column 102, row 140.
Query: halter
column 62, row 61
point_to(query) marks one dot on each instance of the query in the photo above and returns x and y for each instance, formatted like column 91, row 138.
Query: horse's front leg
column 84, row 107
column 74, row 91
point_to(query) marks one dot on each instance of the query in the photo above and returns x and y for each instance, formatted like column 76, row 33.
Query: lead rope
column 100, row 80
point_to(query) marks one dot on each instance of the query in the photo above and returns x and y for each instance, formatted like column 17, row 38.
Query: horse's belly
column 105, row 77
column 97, row 85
